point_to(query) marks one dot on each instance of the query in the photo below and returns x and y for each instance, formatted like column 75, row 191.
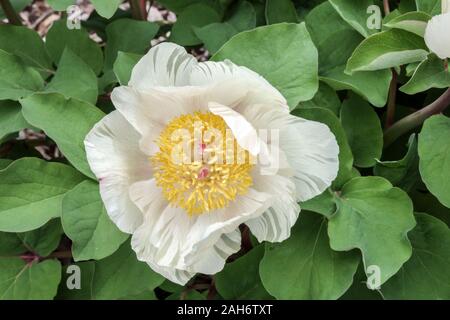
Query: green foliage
column 332, row 67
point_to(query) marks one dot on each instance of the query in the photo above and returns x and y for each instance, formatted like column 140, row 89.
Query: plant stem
column 416, row 119
column 392, row 102
column 10, row 13
column 387, row 8
column 138, row 9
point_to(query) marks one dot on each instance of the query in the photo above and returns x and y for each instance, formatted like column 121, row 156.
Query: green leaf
column 129, row 36
column 373, row 85
column 323, row 204
column 123, row 66
column 86, row 223
column 26, row 44
column 355, row 14
column 11, row 119
column 117, row 277
column 24, row 281
column 17, row 80
column 106, row 8
column 425, row 276
column 304, row 266
column 54, row 114
column 60, row 37
column 278, row 11
column 44, row 240
column 363, row 129
column 345, row 155
column 402, row 173
column 374, row 217
column 83, row 86
column 60, row 5
column 283, row 53
column 325, row 98
column 359, row 289
column 434, row 154
column 4, row 163
column 415, row 22
column 387, row 49
column 214, row 35
column 31, row 192
column 247, row 286
column 11, row 245
column 336, row 40
column 194, row 16
column 431, row 73
column 432, row 7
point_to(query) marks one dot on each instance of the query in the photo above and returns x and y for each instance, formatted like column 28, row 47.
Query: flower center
column 200, row 166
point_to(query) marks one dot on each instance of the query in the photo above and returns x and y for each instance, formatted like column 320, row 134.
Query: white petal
column 114, row 157
column 166, row 64
column 243, row 131
column 437, row 35
column 210, row 72
column 149, row 112
column 275, row 224
column 171, row 240
column 312, row 151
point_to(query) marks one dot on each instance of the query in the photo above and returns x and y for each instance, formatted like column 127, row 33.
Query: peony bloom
column 437, row 33
column 184, row 215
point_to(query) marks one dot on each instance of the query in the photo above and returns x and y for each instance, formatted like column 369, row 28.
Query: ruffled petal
column 312, row 151
column 172, row 240
column 275, row 224
column 165, row 65
column 113, row 154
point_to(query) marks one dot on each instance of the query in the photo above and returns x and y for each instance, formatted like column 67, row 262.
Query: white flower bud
column 437, row 34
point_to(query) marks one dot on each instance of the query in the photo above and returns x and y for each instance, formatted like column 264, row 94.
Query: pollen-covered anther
column 213, row 169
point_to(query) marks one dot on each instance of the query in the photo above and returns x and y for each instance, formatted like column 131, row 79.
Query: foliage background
column 388, row 207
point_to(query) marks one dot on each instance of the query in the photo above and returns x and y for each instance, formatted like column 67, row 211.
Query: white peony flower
column 445, row 6
column 437, row 35
column 184, row 217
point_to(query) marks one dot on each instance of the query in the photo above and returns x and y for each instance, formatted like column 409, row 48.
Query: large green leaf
column 83, row 86
column 28, row 281
column 325, row 98
column 248, row 285
column 31, row 192
column 431, row 73
column 18, row 6
column 123, row 66
column 374, row 217
column 60, row 5
column 11, row 119
column 106, row 8
column 336, row 40
column 43, row 241
column 426, row 275
column 194, row 16
column 432, row 7
column 401, row 173
column 129, row 36
column 415, row 22
column 363, row 129
column 355, row 13
column 214, row 35
column 116, row 277
column 345, row 155
column 387, row 49
column 60, row 37
column 280, row 11
column 282, row 53
column 86, row 223
column 26, row 44
column 304, row 266
column 434, row 154
column 67, row 121
column 17, row 79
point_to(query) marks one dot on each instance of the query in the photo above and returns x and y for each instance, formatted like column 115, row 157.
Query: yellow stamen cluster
column 197, row 170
